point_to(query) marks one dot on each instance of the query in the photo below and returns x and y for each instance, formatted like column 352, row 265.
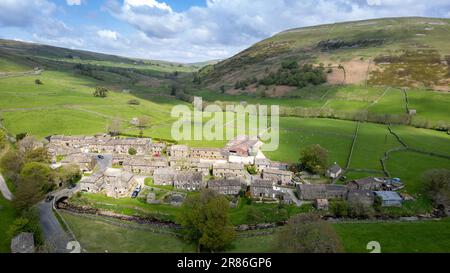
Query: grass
column 410, row 166
column 396, row 237
column 417, row 237
column 372, row 141
column 7, row 216
column 297, row 133
column 99, row 237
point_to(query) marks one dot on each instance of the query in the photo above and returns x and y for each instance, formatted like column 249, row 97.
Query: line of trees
column 292, row 74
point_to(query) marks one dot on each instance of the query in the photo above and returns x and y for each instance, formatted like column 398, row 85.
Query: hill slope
column 411, row 52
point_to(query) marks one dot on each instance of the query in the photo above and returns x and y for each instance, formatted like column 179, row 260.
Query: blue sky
column 185, row 30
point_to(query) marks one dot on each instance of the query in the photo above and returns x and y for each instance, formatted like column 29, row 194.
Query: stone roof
column 179, row 148
column 262, row 183
column 224, row 183
column 320, row 191
column 277, row 172
column 164, row 171
column 262, row 161
column 335, row 168
column 360, row 196
column 230, row 166
column 78, row 158
column 188, row 176
column 368, row 181
column 23, row 243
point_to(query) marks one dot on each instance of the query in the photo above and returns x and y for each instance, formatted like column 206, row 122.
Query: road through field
column 4, row 189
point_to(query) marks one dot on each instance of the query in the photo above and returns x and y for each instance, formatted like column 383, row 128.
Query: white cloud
column 153, row 29
column 231, row 25
column 73, row 2
column 107, row 34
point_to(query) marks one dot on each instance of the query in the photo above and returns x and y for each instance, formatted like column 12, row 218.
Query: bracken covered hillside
column 401, row 52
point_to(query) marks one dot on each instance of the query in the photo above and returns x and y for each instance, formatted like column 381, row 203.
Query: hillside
column 398, row 52
column 30, row 55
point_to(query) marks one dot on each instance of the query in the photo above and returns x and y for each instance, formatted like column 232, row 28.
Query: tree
column 314, row 159
column 436, row 185
column 28, row 143
column 134, row 102
column 142, row 123
column 34, row 182
column 339, row 208
column 11, row 164
column 252, row 169
column 222, row 89
column 114, row 127
column 100, row 92
column 68, row 174
column 205, row 221
column 37, row 155
column 307, row 233
column 3, row 139
column 38, row 82
column 132, row 151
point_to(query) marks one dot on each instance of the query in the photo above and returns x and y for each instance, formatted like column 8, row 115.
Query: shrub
column 132, row 151
column 38, row 81
column 134, row 102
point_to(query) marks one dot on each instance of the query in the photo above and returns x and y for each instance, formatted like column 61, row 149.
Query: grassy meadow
column 416, row 237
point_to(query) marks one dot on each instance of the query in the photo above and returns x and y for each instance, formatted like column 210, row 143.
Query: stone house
column 144, row 165
column 204, row 168
column 85, row 161
column 158, row 148
column 23, row 243
column 114, row 183
column 334, row 171
column 279, row 166
column 98, row 144
column 369, row 183
column 262, row 164
column 164, row 176
column 321, row 204
column 243, row 149
column 188, row 180
column 178, row 151
column 208, row 154
column 365, row 197
column 321, row 191
column 261, row 188
column 228, row 170
column 278, row 177
column 226, row 186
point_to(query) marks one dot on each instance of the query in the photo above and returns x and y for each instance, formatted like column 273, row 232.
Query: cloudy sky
column 185, row 30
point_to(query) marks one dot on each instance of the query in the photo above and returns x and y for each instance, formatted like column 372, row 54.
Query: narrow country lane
column 4, row 189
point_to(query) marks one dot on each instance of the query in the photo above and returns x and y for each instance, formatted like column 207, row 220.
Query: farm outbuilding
column 389, row 198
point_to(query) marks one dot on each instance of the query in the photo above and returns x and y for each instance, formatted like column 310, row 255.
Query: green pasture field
column 7, row 216
column 297, row 133
column 410, row 166
column 7, row 65
column 372, row 141
column 397, row 237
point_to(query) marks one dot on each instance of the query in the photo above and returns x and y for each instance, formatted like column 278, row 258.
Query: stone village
column 118, row 167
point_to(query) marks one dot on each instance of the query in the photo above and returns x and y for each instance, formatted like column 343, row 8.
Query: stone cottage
column 164, row 176
column 226, row 186
column 278, row 177
column 114, row 183
column 178, row 151
column 261, row 188
column 188, row 181
column 321, row 191
column 228, row 170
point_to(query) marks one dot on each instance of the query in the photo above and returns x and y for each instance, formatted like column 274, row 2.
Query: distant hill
column 403, row 52
column 30, row 55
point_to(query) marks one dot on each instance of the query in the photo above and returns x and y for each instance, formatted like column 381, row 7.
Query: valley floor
column 411, row 237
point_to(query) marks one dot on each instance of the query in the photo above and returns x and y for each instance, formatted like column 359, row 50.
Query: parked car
column 49, row 198
column 101, row 157
column 134, row 194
